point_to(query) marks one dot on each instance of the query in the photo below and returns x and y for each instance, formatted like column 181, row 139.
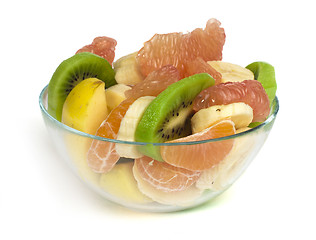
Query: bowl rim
column 271, row 118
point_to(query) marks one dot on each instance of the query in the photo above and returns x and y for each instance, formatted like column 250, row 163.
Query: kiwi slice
column 264, row 73
column 167, row 117
column 72, row 71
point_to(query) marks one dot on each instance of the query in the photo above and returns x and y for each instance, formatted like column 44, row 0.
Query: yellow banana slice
column 84, row 109
column 115, row 95
column 240, row 113
column 120, row 183
column 85, row 106
column 126, row 70
column 232, row 72
column 128, row 126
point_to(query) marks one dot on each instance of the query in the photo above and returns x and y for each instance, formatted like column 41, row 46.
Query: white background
column 40, row 198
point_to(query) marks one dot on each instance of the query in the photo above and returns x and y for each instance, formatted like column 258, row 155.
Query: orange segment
column 201, row 156
column 164, row 176
column 102, row 155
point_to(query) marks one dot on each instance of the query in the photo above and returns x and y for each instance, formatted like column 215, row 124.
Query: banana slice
column 227, row 171
column 115, row 95
column 232, row 72
column 126, row 70
column 128, row 126
column 240, row 113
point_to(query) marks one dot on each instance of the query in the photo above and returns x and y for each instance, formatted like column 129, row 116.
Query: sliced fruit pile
column 175, row 90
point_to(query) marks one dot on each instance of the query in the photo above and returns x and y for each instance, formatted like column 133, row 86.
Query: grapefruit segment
column 155, row 82
column 102, row 156
column 201, row 156
column 179, row 198
column 250, row 92
column 178, row 48
column 101, row 46
column 164, row 176
column 198, row 65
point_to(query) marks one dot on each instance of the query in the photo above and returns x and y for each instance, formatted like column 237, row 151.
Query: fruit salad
column 152, row 115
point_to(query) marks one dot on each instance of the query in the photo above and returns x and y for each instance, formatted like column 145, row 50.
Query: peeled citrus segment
column 201, row 156
column 250, row 92
column 240, row 113
column 224, row 173
column 164, row 176
column 155, row 82
column 120, row 183
column 231, row 72
column 264, row 73
column 179, row 198
column 102, row 156
column 178, row 48
column 198, row 65
column 101, row 46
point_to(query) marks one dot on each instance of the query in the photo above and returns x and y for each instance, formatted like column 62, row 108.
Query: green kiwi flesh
column 72, row 71
column 168, row 116
column 264, row 73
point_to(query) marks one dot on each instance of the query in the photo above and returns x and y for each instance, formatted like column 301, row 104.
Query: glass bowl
column 124, row 186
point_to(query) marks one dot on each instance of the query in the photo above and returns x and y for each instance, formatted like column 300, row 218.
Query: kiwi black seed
column 176, row 125
column 72, row 71
column 168, row 116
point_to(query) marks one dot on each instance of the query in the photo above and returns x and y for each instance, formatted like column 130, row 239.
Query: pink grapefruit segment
column 250, row 92
column 164, row 176
column 102, row 156
column 178, row 48
column 198, row 65
column 155, row 82
column 103, row 47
